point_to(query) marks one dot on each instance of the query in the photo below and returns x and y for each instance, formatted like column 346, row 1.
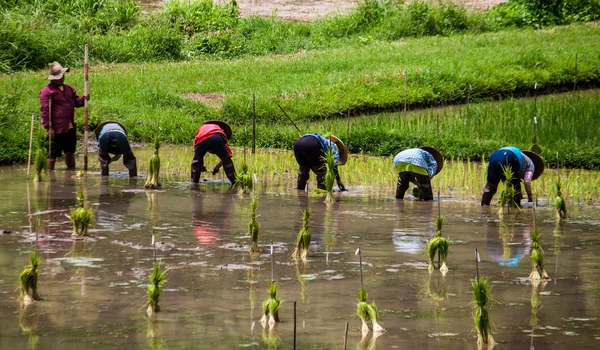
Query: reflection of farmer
column 112, row 139
column 507, row 245
column 60, row 121
column 213, row 136
column 210, row 216
column 525, row 165
column 417, row 165
column 310, row 151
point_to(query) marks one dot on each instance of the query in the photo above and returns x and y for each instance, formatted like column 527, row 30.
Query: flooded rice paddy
column 94, row 289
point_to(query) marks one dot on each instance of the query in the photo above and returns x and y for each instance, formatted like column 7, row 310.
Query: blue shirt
column 525, row 163
column 418, row 157
column 326, row 145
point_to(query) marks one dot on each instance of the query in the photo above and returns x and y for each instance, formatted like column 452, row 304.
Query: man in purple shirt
column 60, row 121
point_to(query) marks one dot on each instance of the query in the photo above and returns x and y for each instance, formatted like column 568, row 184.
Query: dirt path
column 307, row 10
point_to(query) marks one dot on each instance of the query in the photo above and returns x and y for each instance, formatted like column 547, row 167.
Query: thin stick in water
column 85, row 109
column 154, row 246
column 575, row 78
column 294, row 324
column 30, row 145
column 272, row 264
column 359, row 252
column 477, row 263
column 253, row 123
column 346, row 336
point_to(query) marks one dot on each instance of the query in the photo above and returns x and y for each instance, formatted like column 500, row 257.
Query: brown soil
column 210, row 99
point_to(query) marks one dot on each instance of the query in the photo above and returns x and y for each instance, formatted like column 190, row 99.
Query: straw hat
column 537, row 161
column 341, row 148
column 56, row 71
column 99, row 127
column 226, row 128
column 436, row 155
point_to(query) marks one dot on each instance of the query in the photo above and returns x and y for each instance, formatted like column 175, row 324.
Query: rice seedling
column 81, row 219
column 157, row 279
column 367, row 313
column 559, row 202
column 439, row 245
column 253, row 228
column 507, row 192
column 303, row 240
column 329, row 176
column 154, row 167
column 481, row 295
column 29, row 278
column 271, row 306
column 40, row 163
column 537, row 257
column 243, row 179
column 80, row 198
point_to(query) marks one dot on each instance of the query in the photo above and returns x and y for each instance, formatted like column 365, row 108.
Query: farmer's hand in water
column 341, row 186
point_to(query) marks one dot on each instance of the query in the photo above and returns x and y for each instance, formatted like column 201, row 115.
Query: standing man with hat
column 112, row 139
column 310, row 151
column 213, row 136
column 417, row 165
column 59, row 121
column 525, row 165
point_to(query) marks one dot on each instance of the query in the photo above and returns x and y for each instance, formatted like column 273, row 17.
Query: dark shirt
column 63, row 107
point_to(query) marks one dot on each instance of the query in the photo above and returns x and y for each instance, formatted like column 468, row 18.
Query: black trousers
column 215, row 144
column 309, row 155
column 423, row 183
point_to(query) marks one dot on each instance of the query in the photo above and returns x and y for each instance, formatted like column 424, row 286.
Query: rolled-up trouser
column 423, row 183
column 309, row 155
column 214, row 144
column 495, row 173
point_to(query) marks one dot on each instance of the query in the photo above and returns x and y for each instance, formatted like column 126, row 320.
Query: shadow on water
column 94, row 289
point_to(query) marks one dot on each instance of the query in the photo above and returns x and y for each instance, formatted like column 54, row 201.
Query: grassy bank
column 37, row 32
column 325, row 85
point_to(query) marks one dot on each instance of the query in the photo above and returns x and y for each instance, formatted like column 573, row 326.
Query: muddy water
column 94, row 290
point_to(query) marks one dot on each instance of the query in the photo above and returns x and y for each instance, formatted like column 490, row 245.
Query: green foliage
column 157, row 279
column 304, row 237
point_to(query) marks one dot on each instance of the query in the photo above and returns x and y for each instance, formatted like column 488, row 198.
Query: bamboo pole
column 405, row 90
column 85, row 109
column 294, row 325
column 30, row 145
column 359, row 252
column 575, row 79
column 253, row 123
column 291, row 120
column 346, row 336
column 477, row 263
column 50, row 128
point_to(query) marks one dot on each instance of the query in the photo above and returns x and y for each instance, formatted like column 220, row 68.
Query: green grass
column 325, row 84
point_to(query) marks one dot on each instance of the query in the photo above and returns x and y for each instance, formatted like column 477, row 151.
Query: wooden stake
column 477, row 263
column 348, row 132
column 154, row 246
column 253, row 123
column 50, row 128
column 439, row 214
column 468, row 103
column 85, row 109
column 346, row 336
column 278, row 105
column 245, row 144
column 294, row 324
column 359, row 252
column 272, row 264
column 575, row 79
column 405, row 90
column 437, row 126
column 30, row 145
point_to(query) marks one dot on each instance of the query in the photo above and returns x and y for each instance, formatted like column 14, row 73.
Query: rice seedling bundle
column 367, row 312
column 271, row 306
column 29, row 278
column 81, row 219
column 559, row 202
column 481, row 295
column 536, row 148
column 329, row 176
column 154, row 167
column 507, row 192
column 80, row 198
column 439, row 245
column 253, row 229
column 243, row 179
column 537, row 257
column 40, row 163
column 303, row 240
column 157, row 279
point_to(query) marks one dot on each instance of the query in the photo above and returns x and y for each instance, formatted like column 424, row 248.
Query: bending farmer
column 525, row 165
column 417, row 165
column 58, row 102
column 112, row 139
column 213, row 137
column 310, row 151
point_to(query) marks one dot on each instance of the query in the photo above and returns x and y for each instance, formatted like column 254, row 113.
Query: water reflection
column 408, row 234
column 507, row 244
column 210, row 216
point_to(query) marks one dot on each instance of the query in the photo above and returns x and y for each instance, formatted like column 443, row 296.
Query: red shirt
column 208, row 130
column 63, row 107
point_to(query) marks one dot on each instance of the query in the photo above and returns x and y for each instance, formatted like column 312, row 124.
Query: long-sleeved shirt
column 208, row 130
column 415, row 157
column 326, row 145
column 63, row 107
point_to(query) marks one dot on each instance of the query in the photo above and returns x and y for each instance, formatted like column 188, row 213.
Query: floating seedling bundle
column 367, row 313
column 303, row 240
column 271, row 306
column 80, row 217
column 507, row 192
column 481, row 295
column 29, row 278
column 537, row 257
column 439, row 245
column 154, row 168
column 559, row 201
column 243, row 179
column 157, row 279
column 253, row 229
